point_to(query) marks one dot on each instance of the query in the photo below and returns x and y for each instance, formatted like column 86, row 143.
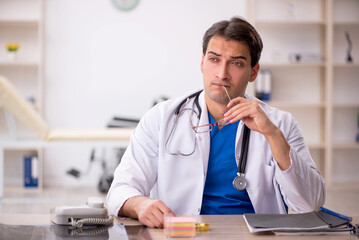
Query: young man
column 217, row 151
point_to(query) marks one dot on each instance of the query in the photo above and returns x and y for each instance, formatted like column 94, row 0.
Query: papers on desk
column 312, row 223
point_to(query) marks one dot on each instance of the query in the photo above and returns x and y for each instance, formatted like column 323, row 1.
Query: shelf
column 19, row 22
column 29, row 143
column 347, row 65
column 22, row 189
column 19, row 64
column 316, row 146
column 21, row 145
column 282, row 104
column 346, row 105
column 344, row 185
column 284, row 22
column 348, row 145
column 346, row 23
column 291, row 65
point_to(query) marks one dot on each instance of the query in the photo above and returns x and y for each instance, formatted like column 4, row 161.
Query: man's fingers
column 236, row 101
column 237, row 106
column 238, row 112
column 151, row 219
column 166, row 210
column 151, row 223
column 159, row 216
column 162, row 211
column 153, row 213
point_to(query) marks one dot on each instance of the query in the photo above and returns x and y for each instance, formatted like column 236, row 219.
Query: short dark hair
column 236, row 29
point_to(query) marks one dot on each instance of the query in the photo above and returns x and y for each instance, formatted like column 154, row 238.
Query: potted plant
column 12, row 49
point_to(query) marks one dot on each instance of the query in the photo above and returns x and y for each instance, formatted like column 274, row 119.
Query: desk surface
column 221, row 226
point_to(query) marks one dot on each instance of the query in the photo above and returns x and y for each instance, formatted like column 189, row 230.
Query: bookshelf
column 21, row 21
column 345, row 100
column 322, row 94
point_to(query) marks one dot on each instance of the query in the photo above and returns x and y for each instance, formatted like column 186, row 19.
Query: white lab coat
column 179, row 180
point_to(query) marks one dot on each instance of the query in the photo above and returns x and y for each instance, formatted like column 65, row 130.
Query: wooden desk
column 221, row 227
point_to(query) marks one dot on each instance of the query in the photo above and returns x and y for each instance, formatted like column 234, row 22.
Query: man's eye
column 212, row 59
column 238, row 64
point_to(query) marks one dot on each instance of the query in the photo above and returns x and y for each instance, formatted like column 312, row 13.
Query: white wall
column 101, row 62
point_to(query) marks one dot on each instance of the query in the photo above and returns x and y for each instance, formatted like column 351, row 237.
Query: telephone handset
column 92, row 213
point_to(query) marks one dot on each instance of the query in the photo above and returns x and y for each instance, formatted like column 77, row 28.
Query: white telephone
column 92, row 213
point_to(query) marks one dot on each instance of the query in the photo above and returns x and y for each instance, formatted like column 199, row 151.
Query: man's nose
column 222, row 72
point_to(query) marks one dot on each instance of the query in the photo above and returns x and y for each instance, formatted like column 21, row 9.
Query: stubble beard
column 218, row 98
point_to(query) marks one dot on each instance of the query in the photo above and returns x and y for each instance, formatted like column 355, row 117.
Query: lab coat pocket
column 268, row 178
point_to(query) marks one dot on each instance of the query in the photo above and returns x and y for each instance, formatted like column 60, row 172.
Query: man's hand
column 255, row 118
column 251, row 114
column 148, row 211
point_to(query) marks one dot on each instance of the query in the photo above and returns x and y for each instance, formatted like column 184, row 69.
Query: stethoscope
column 239, row 182
column 177, row 114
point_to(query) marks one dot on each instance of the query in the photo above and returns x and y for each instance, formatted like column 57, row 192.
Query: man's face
column 226, row 63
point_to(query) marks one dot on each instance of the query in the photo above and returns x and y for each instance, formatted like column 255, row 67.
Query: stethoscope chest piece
column 239, row 182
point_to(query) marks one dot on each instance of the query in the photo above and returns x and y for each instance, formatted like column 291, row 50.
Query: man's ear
column 202, row 63
column 254, row 74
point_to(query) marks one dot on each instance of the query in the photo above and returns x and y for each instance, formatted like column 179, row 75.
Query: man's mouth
column 221, row 85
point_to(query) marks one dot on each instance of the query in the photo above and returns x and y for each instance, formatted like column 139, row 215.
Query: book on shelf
column 31, row 171
column 263, row 85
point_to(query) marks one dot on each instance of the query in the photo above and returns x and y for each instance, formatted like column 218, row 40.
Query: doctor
column 217, row 151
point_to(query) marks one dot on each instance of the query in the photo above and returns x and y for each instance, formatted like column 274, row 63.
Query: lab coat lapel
column 203, row 139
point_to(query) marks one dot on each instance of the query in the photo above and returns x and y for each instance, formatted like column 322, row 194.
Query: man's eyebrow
column 233, row 57
column 214, row 53
column 239, row 57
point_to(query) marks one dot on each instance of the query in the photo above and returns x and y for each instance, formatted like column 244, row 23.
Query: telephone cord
column 77, row 231
column 92, row 221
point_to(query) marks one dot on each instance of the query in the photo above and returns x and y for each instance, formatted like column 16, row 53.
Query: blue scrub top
column 219, row 196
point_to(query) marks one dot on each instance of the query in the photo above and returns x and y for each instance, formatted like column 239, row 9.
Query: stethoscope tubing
column 196, row 95
column 177, row 113
column 246, row 134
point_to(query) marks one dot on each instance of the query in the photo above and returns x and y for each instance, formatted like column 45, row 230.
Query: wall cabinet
column 21, row 22
column 305, row 48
